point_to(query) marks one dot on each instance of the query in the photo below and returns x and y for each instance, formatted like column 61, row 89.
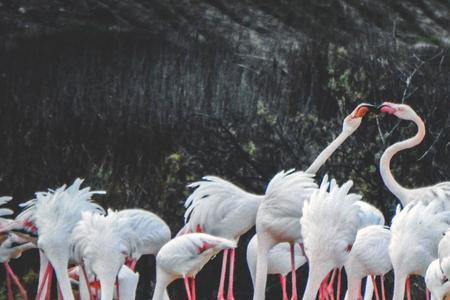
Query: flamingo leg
column 222, row 275
column 95, row 289
column 383, row 296
column 427, row 294
column 187, row 287
column 44, row 280
column 293, row 274
column 338, row 293
column 8, row 286
column 16, row 280
column 330, row 286
column 193, row 291
column 408, row 288
column 375, row 288
column 49, row 283
column 283, row 287
column 230, row 294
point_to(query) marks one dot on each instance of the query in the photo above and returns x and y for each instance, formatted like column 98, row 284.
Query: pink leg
column 293, row 274
column 187, row 287
column 230, row 295
column 330, row 286
column 222, row 275
column 44, row 280
column 375, row 288
column 382, row 288
column 16, row 280
column 49, row 284
column 338, row 294
column 427, row 294
column 193, row 291
column 95, row 289
column 408, row 288
column 8, row 286
column 283, row 287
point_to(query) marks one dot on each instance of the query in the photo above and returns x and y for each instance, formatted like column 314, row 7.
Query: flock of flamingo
column 297, row 221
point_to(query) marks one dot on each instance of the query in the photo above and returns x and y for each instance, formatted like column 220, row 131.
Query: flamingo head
column 354, row 119
column 437, row 282
column 401, row 111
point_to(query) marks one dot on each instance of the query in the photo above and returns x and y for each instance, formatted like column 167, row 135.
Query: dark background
column 143, row 97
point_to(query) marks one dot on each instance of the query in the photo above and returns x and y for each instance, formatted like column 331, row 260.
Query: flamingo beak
column 362, row 109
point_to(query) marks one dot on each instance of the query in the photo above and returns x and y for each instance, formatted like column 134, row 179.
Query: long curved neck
column 385, row 163
column 327, row 152
column 162, row 281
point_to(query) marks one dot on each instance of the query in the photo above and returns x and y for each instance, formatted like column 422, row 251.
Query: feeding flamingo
column 183, row 257
column 437, row 282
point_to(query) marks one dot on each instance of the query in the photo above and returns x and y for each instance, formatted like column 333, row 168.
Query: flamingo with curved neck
column 405, row 195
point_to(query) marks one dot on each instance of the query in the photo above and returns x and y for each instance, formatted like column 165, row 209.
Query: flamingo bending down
column 278, row 214
column 405, row 195
column 183, row 257
column 11, row 247
column 369, row 257
column 54, row 214
column 278, row 262
column 415, row 234
column 437, row 282
column 329, row 226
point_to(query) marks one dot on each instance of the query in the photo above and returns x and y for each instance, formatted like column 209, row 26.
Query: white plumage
column 369, row 256
column 329, row 226
column 55, row 214
column 416, row 231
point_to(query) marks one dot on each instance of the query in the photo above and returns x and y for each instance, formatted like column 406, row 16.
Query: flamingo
column 183, row 257
column 415, row 234
column 278, row 215
column 329, row 225
column 437, row 282
column 11, row 247
column 101, row 244
column 279, row 260
column 220, row 208
column 405, row 195
column 54, row 214
column 369, row 257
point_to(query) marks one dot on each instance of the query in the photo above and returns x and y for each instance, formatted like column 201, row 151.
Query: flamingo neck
column 162, row 281
column 327, row 152
column 385, row 163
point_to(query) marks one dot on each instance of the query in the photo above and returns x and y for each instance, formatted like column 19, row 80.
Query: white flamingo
column 405, row 195
column 330, row 222
column 369, row 257
column 278, row 262
column 101, row 244
column 55, row 214
column 415, row 234
column 278, row 215
column 183, row 257
column 437, row 282
column 11, row 247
